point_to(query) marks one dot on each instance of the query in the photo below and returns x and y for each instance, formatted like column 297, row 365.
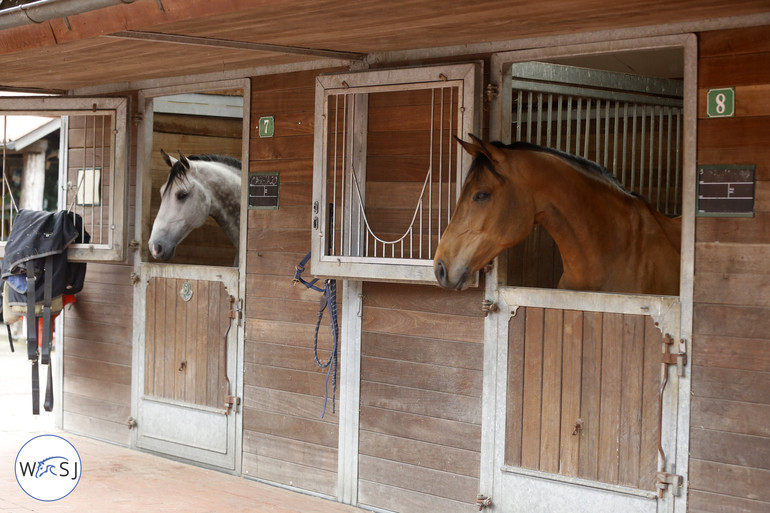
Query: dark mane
column 582, row 163
column 178, row 172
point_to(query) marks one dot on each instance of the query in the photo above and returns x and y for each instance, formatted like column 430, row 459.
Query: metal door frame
column 676, row 438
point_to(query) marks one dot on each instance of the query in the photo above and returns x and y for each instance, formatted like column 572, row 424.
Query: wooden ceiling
column 146, row 39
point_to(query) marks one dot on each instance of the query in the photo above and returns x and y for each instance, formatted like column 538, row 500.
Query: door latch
column 482, row 501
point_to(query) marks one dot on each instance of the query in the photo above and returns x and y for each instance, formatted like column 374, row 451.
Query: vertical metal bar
column 677, row 159
column 5, row 181
column 519, row 101
column 668, row 160
column 335, row 171
column 440, row 167
column 559, row 100
column 615, row 141
column 548, row 121
column 539, row 125
column 450, row 160
column 93, row 171
column 588, row 128
column 633, row 150
column 430, row 170
column 624, row 147
column 606, row 133
column 578, row 116
column 101, row 181
column 660, row 157
column 569, row 124
column 339, row 213
column 651, row 154
column 529, row 117
column 641, row 150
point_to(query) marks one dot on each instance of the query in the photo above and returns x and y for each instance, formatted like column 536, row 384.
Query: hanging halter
column 329, row 298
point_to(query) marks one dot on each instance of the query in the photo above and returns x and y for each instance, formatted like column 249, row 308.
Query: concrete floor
column 119, row 480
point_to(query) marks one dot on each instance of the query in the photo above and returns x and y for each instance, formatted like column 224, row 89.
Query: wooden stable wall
column 421, row 375
column 96, row 344
column 285, row 440
column 730, row 423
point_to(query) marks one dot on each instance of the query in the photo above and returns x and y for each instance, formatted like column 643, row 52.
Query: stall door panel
column 188, row 358
column 582, row 395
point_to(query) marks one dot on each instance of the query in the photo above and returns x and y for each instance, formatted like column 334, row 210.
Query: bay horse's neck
column 225, row 189
column 596, row 226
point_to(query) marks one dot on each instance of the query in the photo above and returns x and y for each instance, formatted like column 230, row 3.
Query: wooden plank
column 732, row 258
column 590, row 405
column 743, row 69
column 732, row 42
column 738, row 481
column 460, row 355
column 87, row 387
column 168, row 334
column 733, row 353
column 109, row 372
column 552, row 384
column 421, row 376
column 417, row 479
column 533, row 376
column 424, row 299
column 571, row 392
column 446, row 459
column 733, row 289
column 731, row 416
column 707, row 502
column 294, row 428
column 180, row 342
column 282, row 402
column 731, row 321
column 290, row 380
column 753, row 101
column 396, row 499
column 404, row 322
column 648, row 454
column 298, row 476
column 609, row 419
column 515, row 389
column 731, row 448
column 402, row 397
column 200, row 352
column 731, row 384
column 292, row 451
column 631, row 400
column 418, row 427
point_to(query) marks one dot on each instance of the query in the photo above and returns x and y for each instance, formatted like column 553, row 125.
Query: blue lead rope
column 329, row 299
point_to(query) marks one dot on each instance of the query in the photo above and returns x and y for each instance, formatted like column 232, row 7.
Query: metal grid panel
column 630, row 125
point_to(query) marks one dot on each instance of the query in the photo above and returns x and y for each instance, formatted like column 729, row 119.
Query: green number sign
column 267, row 126
column 721, row 103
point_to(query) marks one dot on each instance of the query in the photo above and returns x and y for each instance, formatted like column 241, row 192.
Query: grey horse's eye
column 181, row 195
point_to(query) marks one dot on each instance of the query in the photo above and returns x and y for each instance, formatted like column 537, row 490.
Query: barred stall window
column 90, row 178
column 387, row 170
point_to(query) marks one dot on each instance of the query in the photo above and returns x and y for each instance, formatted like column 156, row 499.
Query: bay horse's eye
column 181, row 195
column 481, row 196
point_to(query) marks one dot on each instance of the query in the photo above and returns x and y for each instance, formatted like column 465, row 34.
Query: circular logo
column 48, row 468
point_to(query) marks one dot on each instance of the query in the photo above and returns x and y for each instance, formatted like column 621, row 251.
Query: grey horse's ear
column 167, row 158
column 183, row 160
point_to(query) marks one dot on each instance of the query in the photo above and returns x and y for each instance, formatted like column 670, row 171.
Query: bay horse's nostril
column 440, row 272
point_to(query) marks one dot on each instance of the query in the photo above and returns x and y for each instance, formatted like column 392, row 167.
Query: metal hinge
column 231, row 400
column 666, row 479
column 678, row 359
column 492, row 91
column 482, row 501
column 488, row 306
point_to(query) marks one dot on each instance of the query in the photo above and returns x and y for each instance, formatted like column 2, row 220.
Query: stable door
column 187, row 407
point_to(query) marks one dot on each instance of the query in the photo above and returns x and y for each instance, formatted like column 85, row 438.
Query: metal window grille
column 388, row 170
column 631, row 125
column 92, row 173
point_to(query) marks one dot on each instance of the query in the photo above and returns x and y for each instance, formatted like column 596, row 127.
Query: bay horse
column 198, row 186
column 610, row 240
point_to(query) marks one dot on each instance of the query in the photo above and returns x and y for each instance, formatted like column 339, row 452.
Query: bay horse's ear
column 478, row 146
column 183, row 160
column 167, row 158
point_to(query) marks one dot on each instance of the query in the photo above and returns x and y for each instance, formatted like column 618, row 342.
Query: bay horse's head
column 184, row 206
column 492, row 214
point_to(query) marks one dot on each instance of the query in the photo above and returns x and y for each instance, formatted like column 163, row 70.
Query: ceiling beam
column 237, row 45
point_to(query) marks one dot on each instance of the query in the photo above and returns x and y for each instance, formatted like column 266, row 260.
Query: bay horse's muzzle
column 442, row 275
